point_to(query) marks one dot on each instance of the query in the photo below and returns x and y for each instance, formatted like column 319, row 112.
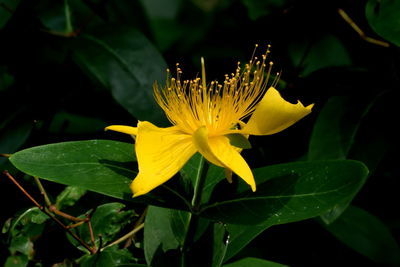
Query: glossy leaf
column 253, row 262
column 106, row 167
column 366, row 234
column 124, row 61
column 383, row 17
column 159, row 237
column 286, row 193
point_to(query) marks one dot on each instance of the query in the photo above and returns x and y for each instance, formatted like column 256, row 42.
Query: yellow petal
column 219, row 151
column 274, row 114
column 161, row 153
column 122, row 129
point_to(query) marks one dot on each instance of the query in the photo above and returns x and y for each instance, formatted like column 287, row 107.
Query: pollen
column 221, row 107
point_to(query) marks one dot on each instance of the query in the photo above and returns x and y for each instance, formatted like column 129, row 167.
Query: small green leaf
column 254, row 262
column 110, row 257
column 17, row 261
column 238, row 140
column 106, row 167
column 69, row 196
column 366, row 234
column 383, row 17
column 22, row 244
column 107, row 222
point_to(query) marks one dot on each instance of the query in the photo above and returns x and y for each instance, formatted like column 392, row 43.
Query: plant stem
column 42, row 191
column 9, row 176
column 125, row 237
column 199, row 184
column 196, row 201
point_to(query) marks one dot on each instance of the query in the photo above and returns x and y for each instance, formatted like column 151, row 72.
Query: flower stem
column 199, row 184
column 196, row 201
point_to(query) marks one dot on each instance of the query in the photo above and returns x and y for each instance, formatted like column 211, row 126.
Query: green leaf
column 7, row 9
column 162, row 17
column 179, row 221
column 59, row 17
column 210, row 249
column 253, row 262
column 159, row 237
column 342, row 130
column 107, row 221
column 69, row 196
column 366, row 234
column 285, row 193
column 17, row 261
column 239, row 140
column 335, row 128
column 124, row 61
column 22, row 244
column 110, row 257
column 102, row 166
column 327, row 51
column 383, row 17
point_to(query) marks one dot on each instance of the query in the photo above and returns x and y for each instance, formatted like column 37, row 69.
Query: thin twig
column 123, row 238
column 5, row 155
column 75, row 224
column 137, row 223
column 54, row 209
column 90, row 228
column 42, row 191
column 360, row 32
column 9, row 176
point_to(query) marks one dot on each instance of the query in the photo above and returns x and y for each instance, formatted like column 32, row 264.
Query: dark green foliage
column 69, row 68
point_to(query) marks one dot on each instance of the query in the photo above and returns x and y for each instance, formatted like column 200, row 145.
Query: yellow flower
column 204, row 118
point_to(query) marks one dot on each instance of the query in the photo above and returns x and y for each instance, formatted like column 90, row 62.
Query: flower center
column 190, row 104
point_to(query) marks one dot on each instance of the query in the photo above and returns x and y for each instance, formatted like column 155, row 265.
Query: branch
column 360, row 32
